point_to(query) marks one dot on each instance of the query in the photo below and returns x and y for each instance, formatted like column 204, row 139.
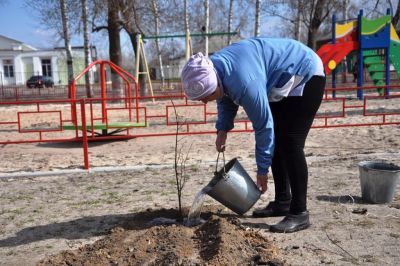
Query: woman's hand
column 220, row 141
column 262, row 182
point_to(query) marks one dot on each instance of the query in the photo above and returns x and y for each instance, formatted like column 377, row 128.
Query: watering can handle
column 216, row 165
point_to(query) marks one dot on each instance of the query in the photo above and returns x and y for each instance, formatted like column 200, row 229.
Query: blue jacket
column 247, row 71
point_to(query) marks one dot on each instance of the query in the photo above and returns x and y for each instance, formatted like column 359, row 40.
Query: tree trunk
column 65, row 23
column 89, row 92
column 141, row 80
column 157, row 29
column 396, row 15
column 187, row 30
column 230, row 18
column 297, row 24
column 315, row 23
column 207, row 26
column 115, row 46
column 133, row 36
column 257, row 20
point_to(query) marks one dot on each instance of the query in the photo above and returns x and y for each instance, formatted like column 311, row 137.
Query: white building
column 19, row 61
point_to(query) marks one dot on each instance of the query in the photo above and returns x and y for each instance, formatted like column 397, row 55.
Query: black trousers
column 293, row 117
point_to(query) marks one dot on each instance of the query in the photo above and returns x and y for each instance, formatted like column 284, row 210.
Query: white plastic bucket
column 378, row 181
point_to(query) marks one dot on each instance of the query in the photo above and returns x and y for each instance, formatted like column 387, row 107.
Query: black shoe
column 292, row 223
column 273, row 209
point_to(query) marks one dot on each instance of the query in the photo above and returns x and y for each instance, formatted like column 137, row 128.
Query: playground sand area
column 109, row 217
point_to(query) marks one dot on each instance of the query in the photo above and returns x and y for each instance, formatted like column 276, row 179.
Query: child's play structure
column 376, row 43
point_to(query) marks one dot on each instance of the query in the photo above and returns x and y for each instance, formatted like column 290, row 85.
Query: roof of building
column 7, row 43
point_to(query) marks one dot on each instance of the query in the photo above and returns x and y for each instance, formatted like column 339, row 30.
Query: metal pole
column 84, row 135
column 387, row 57
column 334, row 42
column 196, row 34
column 2, row 87
column 103, row 92
column 360, row 75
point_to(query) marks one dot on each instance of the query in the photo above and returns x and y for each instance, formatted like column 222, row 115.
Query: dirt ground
column 106, row 217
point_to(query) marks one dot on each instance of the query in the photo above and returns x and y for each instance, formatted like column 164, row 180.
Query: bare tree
column 180, row 162
column 319, row 13
column 207, row 25
column 396, row 15
column 187, row 29
column 108, row 19
column 257, row 19
column 297, row 24
column 230, row 21
column 132, row 14
column 312, row 13
column 379, row 8
column 64, row 18
column 157, row 30
column 114, row 43
column 86, row 45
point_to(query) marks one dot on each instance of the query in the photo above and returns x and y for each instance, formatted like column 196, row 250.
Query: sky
column 18, row 23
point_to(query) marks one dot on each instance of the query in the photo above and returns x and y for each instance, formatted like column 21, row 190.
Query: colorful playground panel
column 375, row 34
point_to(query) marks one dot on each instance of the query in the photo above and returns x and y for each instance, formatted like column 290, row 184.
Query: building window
column 46, row 67
column 8, row 68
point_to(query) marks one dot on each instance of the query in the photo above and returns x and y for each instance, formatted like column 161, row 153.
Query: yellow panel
column 332, row 64
column 393, row 34
column 344, row 29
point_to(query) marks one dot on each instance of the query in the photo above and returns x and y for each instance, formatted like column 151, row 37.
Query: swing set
column 130, row 104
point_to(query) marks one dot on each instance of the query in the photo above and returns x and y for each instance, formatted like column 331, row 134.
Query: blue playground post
column 333, row 42
column 360, row 64
column 387, row 65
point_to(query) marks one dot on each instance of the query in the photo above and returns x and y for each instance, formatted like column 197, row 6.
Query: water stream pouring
column 233, row 187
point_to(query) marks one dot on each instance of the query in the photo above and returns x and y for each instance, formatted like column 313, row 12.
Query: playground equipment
column 132, row 111
column 188, row 40
column 377, row 45
column 141, row 54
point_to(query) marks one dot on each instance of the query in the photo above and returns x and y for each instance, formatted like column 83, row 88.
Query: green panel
column 104, row 126
column 376, row 68
column 372, row 26
column 28, row 69
column 62, row 71
column 370, row 52
column 395, row 56
column 373, row 60
column 375, row 76
column 78, row 66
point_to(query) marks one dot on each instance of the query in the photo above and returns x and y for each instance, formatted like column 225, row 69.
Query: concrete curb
column 21, row 175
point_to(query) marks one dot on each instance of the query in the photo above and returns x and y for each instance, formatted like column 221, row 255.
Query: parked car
column 39, row 82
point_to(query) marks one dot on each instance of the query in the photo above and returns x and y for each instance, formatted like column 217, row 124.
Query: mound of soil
column 220, row 240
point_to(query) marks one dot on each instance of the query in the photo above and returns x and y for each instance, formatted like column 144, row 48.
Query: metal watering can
column 233, row 187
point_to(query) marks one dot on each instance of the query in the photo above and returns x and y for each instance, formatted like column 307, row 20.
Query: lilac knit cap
column 198, row 77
